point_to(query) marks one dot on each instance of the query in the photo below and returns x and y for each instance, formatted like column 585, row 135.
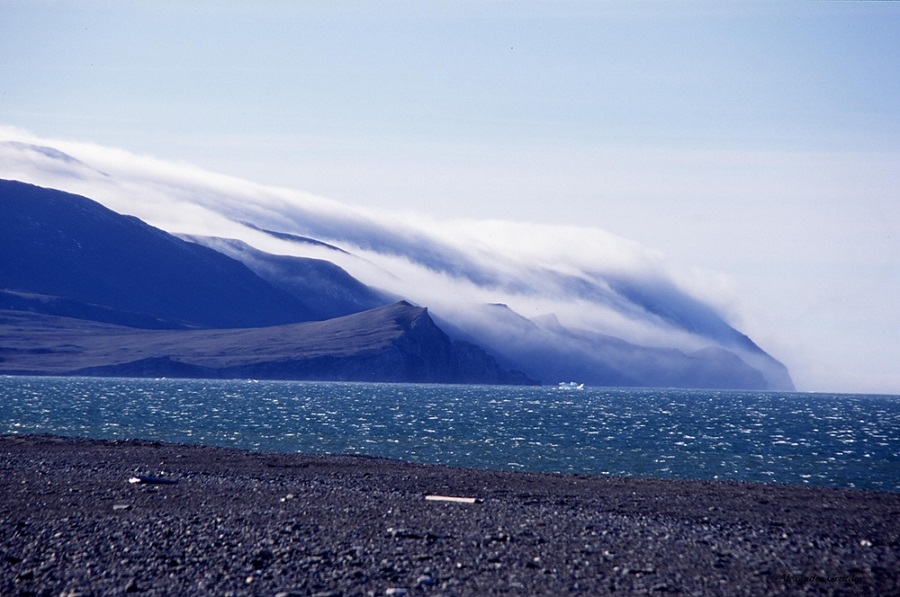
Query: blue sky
column 758, row 142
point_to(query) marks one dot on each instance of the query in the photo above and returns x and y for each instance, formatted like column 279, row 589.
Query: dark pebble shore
column 88, row 517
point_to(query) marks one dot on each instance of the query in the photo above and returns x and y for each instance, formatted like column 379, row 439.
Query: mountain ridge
column 65, row 245
column 87, row 291
column 706, row 351
column 395, row 343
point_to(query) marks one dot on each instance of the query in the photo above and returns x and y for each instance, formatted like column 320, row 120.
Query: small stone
column 396, row 592
column 425, row 580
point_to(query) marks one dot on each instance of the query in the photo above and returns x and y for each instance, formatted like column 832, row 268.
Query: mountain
column 547, row 350
column 580, row 303
column 81, row 256
column 87, row 291
column 394, row 343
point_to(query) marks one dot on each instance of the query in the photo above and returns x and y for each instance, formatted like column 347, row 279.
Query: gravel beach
column 90, row 517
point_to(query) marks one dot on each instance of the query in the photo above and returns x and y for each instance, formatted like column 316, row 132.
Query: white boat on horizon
column 570, row 385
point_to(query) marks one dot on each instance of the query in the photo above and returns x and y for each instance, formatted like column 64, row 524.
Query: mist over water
column 818, row 439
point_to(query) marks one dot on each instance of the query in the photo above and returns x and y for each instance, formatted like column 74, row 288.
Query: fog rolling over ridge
column 559, row 303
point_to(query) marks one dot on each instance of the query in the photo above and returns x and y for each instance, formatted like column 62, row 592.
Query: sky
column 757, row 144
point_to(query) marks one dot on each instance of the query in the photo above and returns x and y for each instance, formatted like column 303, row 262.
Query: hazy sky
column 757, row 140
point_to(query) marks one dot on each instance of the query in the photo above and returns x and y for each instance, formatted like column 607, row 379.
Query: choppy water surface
column 822, row 439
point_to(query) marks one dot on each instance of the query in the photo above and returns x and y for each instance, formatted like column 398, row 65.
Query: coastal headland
column 93, row 517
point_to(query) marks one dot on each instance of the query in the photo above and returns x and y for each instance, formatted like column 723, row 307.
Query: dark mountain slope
column 398, row 343
column 62, row 245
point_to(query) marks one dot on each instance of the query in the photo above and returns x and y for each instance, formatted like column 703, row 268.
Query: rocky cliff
column 395, row 343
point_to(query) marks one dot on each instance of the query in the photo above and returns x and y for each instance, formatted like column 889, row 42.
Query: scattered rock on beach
column 360, row 526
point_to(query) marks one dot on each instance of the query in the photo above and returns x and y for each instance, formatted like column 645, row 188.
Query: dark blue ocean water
column 821, row 439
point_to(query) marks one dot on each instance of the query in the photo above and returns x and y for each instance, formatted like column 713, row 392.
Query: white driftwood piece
column 449, row 498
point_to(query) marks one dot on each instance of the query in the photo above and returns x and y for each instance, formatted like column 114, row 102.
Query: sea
column 839, row 440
